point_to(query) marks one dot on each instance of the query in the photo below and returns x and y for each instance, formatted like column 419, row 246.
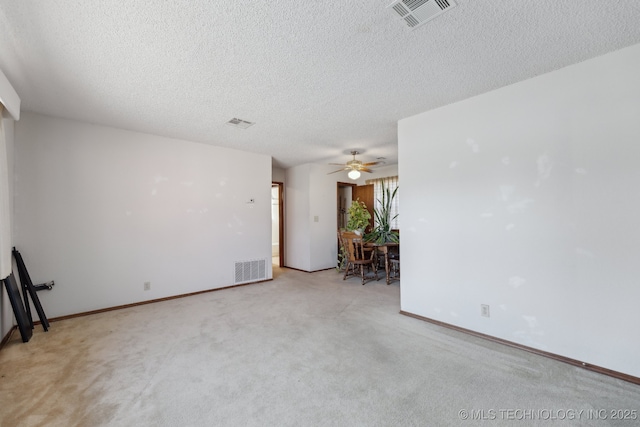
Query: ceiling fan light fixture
column 355, row 167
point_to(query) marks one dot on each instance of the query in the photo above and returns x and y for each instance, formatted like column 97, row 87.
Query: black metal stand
column 25, row 325
column 44, row 286
column 28, row 290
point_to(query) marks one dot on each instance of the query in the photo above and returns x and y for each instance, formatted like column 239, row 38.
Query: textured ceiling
column 319, row 78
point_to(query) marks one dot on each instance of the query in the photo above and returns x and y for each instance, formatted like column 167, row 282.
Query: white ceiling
column 319, row 78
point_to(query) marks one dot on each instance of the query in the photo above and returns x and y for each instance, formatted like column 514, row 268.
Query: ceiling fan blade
column 339, row 170
column 355, row 165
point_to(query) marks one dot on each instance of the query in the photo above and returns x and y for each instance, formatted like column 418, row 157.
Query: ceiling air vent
column 242, row 124
column 416, row 12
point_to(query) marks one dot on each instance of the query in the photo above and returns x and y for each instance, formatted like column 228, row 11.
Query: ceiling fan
column 354, row 166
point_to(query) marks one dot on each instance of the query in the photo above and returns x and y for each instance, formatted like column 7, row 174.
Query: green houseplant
column 359, row 217
column 382, row 232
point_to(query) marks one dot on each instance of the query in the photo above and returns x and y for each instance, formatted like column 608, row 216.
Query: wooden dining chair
column 357, row 257
column 342, row 253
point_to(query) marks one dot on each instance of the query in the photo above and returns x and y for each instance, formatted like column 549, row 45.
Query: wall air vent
column 416, row 12
column 250, row 271
column 242, row 124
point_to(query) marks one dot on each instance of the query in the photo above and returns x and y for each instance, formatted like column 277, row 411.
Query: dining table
column 383, row 248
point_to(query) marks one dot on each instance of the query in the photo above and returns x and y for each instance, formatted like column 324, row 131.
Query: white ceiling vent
column 417, row 12
column 242, row 124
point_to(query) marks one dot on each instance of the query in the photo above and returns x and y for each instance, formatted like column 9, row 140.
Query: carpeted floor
column 301, row 350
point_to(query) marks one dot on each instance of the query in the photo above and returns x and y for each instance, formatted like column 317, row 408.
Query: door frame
column 280, row 186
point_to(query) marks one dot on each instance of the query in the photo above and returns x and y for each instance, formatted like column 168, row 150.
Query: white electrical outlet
column 484, row 310
column 147, row 286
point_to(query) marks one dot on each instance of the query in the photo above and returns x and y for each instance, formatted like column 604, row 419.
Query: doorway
column 345, row 196
column 364, row 193
column 348, row 192
column 277, row 224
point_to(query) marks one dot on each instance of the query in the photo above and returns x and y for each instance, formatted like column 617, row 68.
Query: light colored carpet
column 301, row 350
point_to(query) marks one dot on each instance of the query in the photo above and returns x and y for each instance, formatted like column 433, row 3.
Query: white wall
column 278, row 174
column 6, row 312
column 323, row 191
column 297, row 209
column 102, row 210
column 311, row 217
column 11, row 101
column 9, row 98
column 527, row 199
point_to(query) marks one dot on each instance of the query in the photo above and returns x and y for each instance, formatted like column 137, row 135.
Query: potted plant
column 359, row 217
column 358, row 221
column 382, row 232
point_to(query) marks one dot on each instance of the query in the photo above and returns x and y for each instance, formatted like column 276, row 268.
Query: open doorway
column 364, row 193
column 348, row 192
column 277, row 225
column 345, row 196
